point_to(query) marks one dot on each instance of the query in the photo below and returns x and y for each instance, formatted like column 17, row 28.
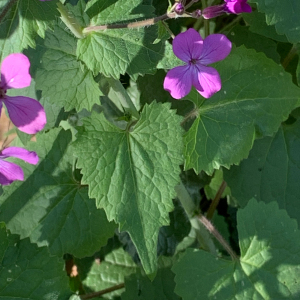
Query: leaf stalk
column 216, row 200
column 102, row 292
column 198, row 221
column 211, row 228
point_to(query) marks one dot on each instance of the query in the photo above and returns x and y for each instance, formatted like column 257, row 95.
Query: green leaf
column 269, row 267
column 170, row 60
column 55, row 114
column 23, row 21
column 271, row 172
column 241, row 35
column 139, row 287
column 108, row 272
column 116, row 51
column 29, row 272
column 55, row 209
column 284, row 15
column 63, row 79
column 132, row 173
column 257, row 23
column 170, row 236
column 247, row 106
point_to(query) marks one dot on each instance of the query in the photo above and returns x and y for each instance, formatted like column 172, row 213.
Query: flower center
column 193, row 61
column 2, row 92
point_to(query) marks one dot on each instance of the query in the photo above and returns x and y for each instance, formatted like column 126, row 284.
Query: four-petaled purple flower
column 197, row 54
column 25, row 113
column 9, row 171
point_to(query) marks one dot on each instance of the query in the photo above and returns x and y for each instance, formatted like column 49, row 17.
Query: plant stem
column 228, row 26
column 123, row 97
column 143, row 23
column 198, row 24
column 290, row 56
column 198, row 221
column 100, row 293
column 168, row 29
column 138, row 24
column 203, row 236
column 71, row 22
column 206, row 22
column 210, row 227
column 216, row 200
column 6, row 9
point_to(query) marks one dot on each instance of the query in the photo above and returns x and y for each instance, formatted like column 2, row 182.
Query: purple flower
column 9, row 171
column 197, row 54
column 237, row 6
column 231, row 6
column 25, row 113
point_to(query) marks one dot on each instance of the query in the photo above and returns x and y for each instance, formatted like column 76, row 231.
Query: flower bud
column 213, row 11
column 179, row 9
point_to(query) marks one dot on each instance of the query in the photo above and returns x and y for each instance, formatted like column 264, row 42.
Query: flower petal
column 237, row 7
column 208, row 81
column 215, row 48
column 188, row 45
column 178, row 81
column 10, row 172
column 28, row 156
column 26, row 113
column 15, row 71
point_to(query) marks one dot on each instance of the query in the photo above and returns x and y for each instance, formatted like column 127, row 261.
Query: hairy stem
column 216, row 200
column 100, row 293
column 71, row 22
column 6, row 8
column 137, row 24
column 210, row 227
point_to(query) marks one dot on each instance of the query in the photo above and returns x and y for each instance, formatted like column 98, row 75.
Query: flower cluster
column 25, row 113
